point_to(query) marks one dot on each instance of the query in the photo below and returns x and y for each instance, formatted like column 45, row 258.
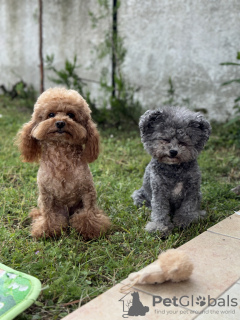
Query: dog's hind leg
column 144, row 194
column 140, row 198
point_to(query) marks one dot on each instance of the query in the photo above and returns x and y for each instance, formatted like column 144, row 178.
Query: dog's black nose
column 60, row 124
column 173, row 153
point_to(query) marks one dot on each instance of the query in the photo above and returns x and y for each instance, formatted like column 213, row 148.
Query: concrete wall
column 18, row 41
column 185, row 40
column 67, row 30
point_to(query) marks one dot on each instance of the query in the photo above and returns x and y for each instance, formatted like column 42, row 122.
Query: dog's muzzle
column 173, row 153
column 60, row 124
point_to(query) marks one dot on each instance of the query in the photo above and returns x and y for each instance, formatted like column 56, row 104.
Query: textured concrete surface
column 67, row 30
column 185, row 40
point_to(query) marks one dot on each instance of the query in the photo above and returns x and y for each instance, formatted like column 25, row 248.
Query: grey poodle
column 174, row 137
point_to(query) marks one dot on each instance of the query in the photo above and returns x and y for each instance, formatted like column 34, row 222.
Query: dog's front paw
column 158, row 226
column 90, row 224
column 45, row 226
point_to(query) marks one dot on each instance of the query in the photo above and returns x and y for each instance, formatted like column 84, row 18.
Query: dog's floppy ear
column 28, row 146
column 148, row 122
column 199, row 130
column 92, row 145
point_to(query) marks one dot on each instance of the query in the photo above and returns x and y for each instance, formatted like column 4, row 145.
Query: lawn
column 73, row 271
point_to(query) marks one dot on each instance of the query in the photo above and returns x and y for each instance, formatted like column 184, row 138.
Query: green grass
column 71, row 269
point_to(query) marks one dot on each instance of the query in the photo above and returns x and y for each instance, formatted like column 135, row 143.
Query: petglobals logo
column 187, row 301
column 132, row 306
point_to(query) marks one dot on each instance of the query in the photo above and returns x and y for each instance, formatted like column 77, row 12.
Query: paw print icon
column 201, row 301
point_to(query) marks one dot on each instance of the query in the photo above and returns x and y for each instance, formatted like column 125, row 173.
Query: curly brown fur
column 63, row 139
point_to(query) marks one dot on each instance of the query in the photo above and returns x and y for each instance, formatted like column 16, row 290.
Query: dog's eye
column 51, row 115
column 71, row 115
column 183, row 144
column 165, row 140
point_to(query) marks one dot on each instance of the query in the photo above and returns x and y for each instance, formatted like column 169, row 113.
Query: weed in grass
column 73, row 271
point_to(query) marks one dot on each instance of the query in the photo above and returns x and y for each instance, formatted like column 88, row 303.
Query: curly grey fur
column 174, row 137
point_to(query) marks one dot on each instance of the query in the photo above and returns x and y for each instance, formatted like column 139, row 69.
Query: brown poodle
column 63, row 138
